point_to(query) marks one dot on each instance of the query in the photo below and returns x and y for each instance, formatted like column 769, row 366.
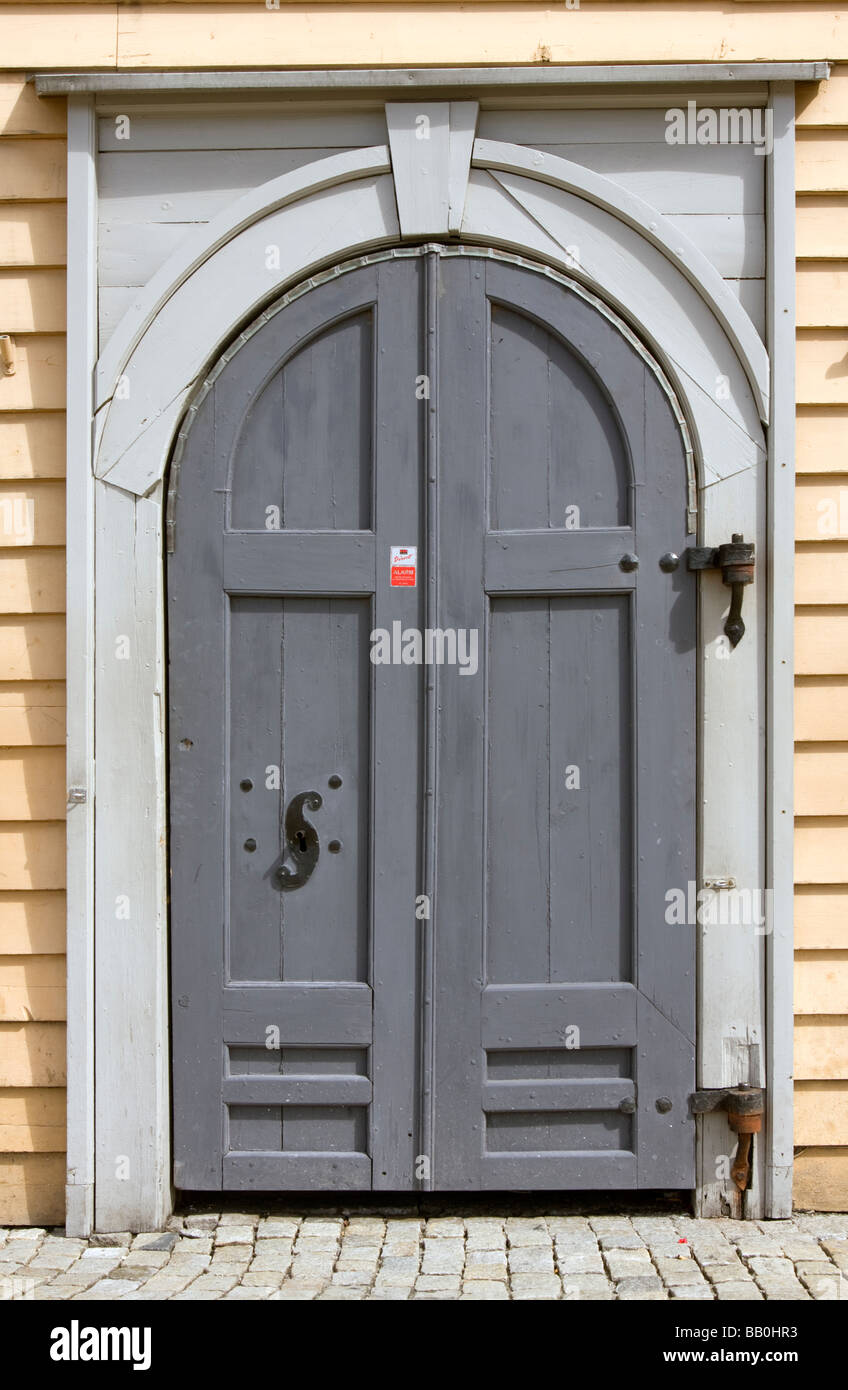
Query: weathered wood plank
column 169, row 35
column 822, row 366
column 36, row 36
column 32, row 581
column 22, row 112
column 821, row 708
column 821, row 779
column 821, row 850
column 820, row 163
column 821, row 919
column 822, row 294
column 821, row 1112
column 32, row 855
column 821, row 439
column 821, row 508
column 32, row 987
column 33, row 300
column 32, row 922
column 32, row 513
column 32, row 234
column 32, row 445
column 268, row 128
column 32, row 648
column 820, row 226
column 32, row 784
column 32, row 1120
column 32, row 169
column 39, row 382
column 821, row 1048
column 821, row 574
column 32, row 1054
column 821, row 1179
column 32, row 1189
column 823, row 103
column 821, row 982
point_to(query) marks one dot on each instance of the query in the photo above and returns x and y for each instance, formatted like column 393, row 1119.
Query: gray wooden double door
column 419, row 908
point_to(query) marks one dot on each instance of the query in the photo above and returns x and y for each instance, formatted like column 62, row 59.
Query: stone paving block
column 351, row 1278
column 692, row 1293
column 753, row 1243
column 189, row 1264
column 531, row 1260
column 106, row 1289
column 239, row 1218
column 445, row 1228
column 640, row 1282
column 725, row 1273
column 579, row 1263
column 624, row 1263
column 535, row 1285
column 233, row 1235
column 400, row 1265
column 621, row 1240
column 586, row 1286
column 484, row 1289
column 521, row 1237
column 679, row 1272
column 295, row 1292
column 828, row 1287
column 437, row 1283
column 30, row 1234
column 277, row 1228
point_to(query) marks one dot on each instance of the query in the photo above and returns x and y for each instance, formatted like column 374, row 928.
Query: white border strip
column 780, row 672
column 82, row 353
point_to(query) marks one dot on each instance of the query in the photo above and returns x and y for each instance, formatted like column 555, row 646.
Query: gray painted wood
column 558, row 992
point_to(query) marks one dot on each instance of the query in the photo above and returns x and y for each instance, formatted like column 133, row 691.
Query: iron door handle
column 302, row 845
column 735, row 560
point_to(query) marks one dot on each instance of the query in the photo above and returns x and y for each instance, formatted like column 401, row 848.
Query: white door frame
column 621, row 249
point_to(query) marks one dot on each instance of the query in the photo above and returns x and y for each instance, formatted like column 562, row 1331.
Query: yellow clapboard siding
column 32, row 1189
column 821, row 641
column 33, row 300
column 32, row 713
column 821, row 366
column 823, row 103
column 821, row 1048
column 820, row 1180
column 821, row 1112
column 821, row 850
column 820, row 226
column 32, row 1054
column 32, row 855
column 220, row 35
column 821, row 918
column 821, row 439
column 821, row 508
column 821, row 779
column 32, row 923
column 31, row 170
column 33, row 581
column 32, row 1120
column 821, row 708
column 32, row 987
column 32, row 648
column 33, row 234
column 821, row 574
column 822, row 293
column 821, row 982
column 32, row 445
column 22, row 112
column 820, row 163
column 32, row 513
column 39, row 381
column 32, row 784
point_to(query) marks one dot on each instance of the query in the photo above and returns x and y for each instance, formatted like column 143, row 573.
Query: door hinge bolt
column 745, row 1106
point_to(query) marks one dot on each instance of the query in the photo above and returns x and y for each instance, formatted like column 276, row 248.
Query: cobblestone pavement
column 245, row 1255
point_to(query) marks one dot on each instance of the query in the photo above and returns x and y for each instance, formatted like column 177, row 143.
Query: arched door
column 432, row 749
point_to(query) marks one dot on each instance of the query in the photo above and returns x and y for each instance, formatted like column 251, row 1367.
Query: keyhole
column 301, row 841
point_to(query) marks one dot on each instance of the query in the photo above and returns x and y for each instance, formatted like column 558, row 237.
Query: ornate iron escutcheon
column 735, row 559
column 301, row 843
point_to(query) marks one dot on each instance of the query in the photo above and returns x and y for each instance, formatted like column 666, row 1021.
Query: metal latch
column 735, row 559
column 744, row 1106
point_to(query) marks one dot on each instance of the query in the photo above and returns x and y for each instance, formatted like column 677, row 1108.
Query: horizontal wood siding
column 32, row 661
column 821, row 593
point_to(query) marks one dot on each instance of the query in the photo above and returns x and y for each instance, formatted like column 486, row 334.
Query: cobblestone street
column 245, row 1255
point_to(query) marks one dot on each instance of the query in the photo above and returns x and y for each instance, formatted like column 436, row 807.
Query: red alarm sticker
column 402, row 565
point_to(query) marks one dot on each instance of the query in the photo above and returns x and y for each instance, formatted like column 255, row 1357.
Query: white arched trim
column 526, row 201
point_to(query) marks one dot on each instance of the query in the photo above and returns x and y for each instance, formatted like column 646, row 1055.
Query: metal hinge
column 745, row 1106
column 735, row 559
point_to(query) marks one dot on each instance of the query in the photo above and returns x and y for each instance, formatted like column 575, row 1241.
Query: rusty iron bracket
column 736, row 561
column 745, row 1106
